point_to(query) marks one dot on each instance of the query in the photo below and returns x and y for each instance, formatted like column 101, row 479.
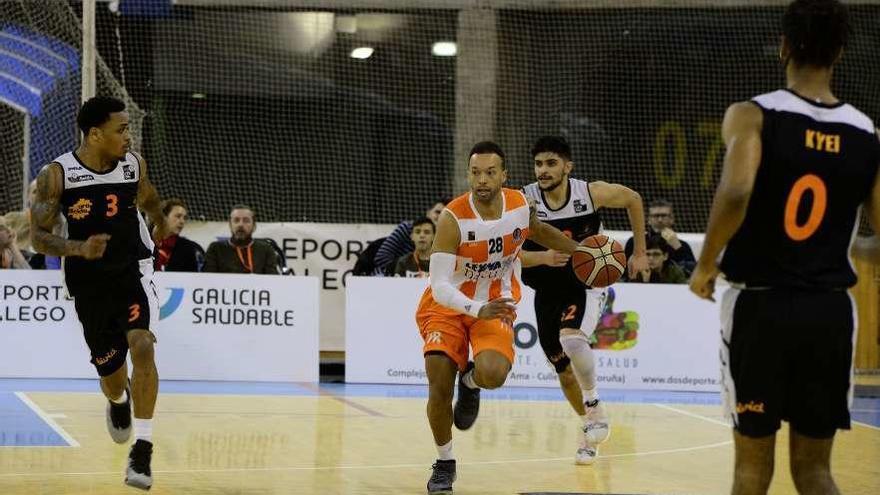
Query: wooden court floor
column 375, row 440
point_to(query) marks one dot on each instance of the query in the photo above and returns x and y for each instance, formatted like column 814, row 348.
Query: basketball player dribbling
column 471, row 301
column 567, row 312
column 799, row 165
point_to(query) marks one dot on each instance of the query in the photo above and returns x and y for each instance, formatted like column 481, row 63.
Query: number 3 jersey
column 818, row 164
column 103, row 203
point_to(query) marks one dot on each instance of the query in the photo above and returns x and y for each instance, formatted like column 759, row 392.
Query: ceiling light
column 362, row 52
column 445, row 49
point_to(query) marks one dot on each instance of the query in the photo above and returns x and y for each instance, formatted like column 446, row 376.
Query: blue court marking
column 20, row 426
column 864, row 410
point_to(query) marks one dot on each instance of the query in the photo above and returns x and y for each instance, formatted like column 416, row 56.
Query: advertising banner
column 211, row 327
column 327, row 251
column 650, row 336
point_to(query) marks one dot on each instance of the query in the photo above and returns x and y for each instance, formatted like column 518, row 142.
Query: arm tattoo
column 44, row 216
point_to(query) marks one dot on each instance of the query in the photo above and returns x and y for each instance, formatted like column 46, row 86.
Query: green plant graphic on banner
column 615, row 331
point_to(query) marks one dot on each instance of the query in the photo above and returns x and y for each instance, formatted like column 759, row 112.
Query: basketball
column 601, row 264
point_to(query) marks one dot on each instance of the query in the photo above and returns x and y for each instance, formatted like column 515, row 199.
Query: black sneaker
column 138, row 473
column 442, row 478
column 467, row 405
column 119, row 419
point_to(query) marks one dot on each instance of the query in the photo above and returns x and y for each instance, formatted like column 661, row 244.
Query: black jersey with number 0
column 103, row 203
column 818, row 164
column 577, row 218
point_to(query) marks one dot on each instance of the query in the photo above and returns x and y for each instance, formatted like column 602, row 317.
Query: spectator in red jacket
column 176, row 253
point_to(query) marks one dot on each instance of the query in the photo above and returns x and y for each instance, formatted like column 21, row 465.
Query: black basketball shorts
column 107, row 314
column 557, row 309
column 787, row 355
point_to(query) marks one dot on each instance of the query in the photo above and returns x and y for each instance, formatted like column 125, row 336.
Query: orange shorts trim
column 451, row 335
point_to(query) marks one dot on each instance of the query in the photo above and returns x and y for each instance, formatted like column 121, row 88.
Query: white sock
column 468, row 380
column 122, row 398
column 590, row 394
column 444, row 452
column 143, row 429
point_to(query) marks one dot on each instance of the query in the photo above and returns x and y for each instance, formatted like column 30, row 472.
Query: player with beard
column 471, row 302
column 100, row 190
column 242, row 253
column 567, row 312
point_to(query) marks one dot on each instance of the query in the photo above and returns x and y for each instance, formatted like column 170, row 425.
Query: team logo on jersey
column 472, row 236
column 75, row 179
column 434, row 338
column 127, row 172
column 80, row 209
column 517, row 235
column 579, row 207
column 751, row 406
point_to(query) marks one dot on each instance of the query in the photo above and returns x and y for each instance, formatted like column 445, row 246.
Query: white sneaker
column 596, row 430
column 585, row 454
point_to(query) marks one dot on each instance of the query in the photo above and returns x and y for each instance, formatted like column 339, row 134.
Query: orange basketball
column 601, row 264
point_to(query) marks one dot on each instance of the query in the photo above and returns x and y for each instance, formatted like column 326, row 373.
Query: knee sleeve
column 583, row 363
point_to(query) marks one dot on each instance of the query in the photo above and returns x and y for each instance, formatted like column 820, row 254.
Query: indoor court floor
column 258, row 438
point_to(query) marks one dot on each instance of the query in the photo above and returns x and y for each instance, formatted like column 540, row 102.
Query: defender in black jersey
column 799, row 165
column 100, row 189
column 567, row 312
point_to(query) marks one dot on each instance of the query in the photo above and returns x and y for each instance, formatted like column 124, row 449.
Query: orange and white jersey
column 487, row 264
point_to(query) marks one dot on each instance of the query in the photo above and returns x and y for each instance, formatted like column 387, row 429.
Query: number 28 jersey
column 487, row 258
column 818, row 164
